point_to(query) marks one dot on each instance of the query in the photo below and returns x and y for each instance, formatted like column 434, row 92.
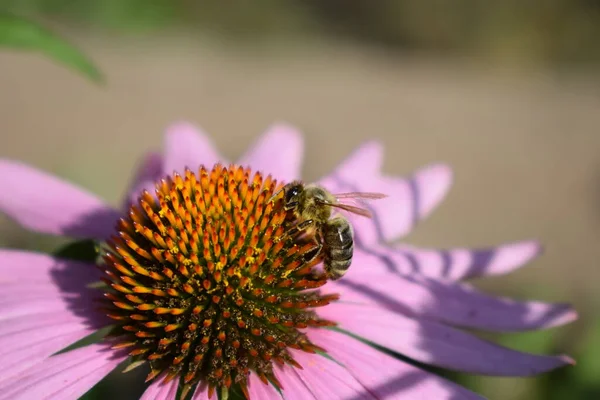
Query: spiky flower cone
column 206, row 285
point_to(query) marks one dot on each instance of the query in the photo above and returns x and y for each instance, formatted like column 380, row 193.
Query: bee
column 313, row 206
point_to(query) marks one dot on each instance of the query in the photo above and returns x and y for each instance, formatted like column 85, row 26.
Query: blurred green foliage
column 19, row 33
column 551, row 31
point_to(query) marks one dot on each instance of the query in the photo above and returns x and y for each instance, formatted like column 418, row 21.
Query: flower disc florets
column 205, row 282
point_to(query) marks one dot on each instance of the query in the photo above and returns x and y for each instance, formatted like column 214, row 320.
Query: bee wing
column 359, row 198
column 347, row 207
column 360, row 195
column 355, row 210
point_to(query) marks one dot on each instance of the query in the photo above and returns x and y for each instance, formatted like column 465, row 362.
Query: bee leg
column 314, row 252
column 302, row 226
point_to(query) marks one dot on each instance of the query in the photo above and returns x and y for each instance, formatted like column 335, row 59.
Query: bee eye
column 293, row 192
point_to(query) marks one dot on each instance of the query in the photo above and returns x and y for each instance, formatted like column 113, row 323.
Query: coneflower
column 208, row 285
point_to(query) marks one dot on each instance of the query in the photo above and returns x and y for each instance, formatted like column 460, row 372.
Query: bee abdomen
column 338, row 247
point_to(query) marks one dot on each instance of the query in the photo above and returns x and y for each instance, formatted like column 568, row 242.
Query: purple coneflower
column 204, row 287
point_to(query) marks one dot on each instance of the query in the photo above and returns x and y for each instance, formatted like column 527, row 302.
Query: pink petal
column 382, row 375
column 461, row 263
column 293, row 387
column 159, row 390
column 201, row 393
column 409, row 201
column 23, row 324
column 29, row 353
column 37, row 319
column 149, row 171
column 278, row 152
column 34, row 284
column 433, row 343
column 47, row 204
column 459, row 304
column 323, row 378
column 188, row 146
column 30, row 267
column 80, row 305
column 259, row 391
column 13, row 342
column 13, row 308
column 64, row 376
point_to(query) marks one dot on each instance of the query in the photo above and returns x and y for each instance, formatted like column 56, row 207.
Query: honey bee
column 313, row 206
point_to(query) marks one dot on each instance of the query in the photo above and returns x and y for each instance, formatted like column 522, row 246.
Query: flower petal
column 409, row 200
column 47, row 204
column 42, row 284
column 18, row 266
column 188, row 146
column 201, row 393
column 433, row 343
column 259, row 391
column 15, row 339
column 14, row 308
column 32, row 329
column 24, row 324
column 44, row 308
column 323, row 378
column 278, row 152
column 293, row 387
column 149, row 171
column 454, row 303
column 384, row 376
column 64, row 376
column 30, row 353
column 159, row 390
column 461, row 263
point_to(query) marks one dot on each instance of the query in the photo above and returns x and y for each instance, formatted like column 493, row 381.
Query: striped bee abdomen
column 338, row 247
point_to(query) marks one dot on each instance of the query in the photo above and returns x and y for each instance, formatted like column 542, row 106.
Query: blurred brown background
column 515, row 112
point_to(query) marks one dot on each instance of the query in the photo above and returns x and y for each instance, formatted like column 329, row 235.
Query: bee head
column 291, row 194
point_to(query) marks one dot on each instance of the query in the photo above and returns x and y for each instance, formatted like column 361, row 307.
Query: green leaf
column 21, row 34
column 83, row 250
column 95, row 337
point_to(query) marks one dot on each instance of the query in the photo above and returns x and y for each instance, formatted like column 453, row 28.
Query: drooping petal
column 201, row 393
column 322, row 379
column 36, row 305
column 259, row 391
column 14, row 341
column 148, row 172
column 26, row 323
column 30, row 353
column 187, row 146
column 41, row 285
column 293, row 387
column 462, row 263
column 47, row 204
column 40, row 320
column 19, row 266
column 437, row 344
column 454, row 303
column 159, row 390
column 63, row 376
column 384, row 376
column 278, row 152
column 409, row 200
column 45, row 307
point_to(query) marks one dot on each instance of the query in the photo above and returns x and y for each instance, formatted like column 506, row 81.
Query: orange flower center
column 205, row 283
